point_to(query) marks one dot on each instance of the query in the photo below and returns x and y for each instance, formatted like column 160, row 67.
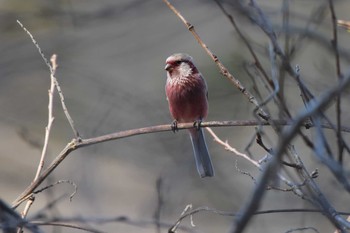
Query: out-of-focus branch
column 10, row 220
column 343, row 23
column 234, row 214
column 71, row 222
column 339, row 74
column 271, row 168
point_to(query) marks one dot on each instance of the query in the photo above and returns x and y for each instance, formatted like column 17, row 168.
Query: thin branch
column 67, row 225
column 47, row 135
column 50, row 118
column 142, row 223
column 246, row 42
column 223, row 70
column 160, row 201
column 302, row 229
column 25, row 212
column 234, row 214
column 231, row 149
column 59, row 90
column 60, row 182
column 338, row 71
column 295, row 188
column 78, row 143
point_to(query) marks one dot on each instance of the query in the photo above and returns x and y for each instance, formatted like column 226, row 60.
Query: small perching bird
column 187, row 96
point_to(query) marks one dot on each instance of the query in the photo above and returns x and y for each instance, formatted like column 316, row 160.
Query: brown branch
column 52, row 72
column 50, row 118
column 223, row 70
column 78, row 143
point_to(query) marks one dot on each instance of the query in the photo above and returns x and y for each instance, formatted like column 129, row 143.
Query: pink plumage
column 187, row 96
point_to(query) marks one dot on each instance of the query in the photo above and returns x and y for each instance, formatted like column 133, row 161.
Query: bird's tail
column 201, row 153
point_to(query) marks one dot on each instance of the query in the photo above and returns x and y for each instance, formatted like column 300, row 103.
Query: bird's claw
column 197, row 124
column 174, row 126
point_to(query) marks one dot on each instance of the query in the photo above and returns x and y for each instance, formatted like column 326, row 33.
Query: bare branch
column 52, row 72
column 339, row 74
column 50, row 118
column 223, row 70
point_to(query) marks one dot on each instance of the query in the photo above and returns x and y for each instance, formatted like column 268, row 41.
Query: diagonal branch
column 223, row 70
column 52, row 72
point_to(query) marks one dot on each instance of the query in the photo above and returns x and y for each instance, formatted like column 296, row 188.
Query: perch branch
column 78, row 143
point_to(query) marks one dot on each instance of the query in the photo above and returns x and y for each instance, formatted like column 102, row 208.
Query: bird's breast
column 187, row 99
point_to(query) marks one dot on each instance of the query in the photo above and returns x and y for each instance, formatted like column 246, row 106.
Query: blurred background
column 111, row 57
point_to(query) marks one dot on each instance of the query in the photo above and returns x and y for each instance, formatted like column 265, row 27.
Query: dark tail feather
column 201, row 154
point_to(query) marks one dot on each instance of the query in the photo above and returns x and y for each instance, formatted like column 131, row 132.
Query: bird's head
column 180, row 65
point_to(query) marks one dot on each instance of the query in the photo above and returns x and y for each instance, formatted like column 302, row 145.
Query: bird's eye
column 178, row 62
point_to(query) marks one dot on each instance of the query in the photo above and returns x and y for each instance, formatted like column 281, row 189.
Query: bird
column 187, row 96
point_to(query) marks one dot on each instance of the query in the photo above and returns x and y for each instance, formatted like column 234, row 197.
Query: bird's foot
column 174, row 126
column 197, row 124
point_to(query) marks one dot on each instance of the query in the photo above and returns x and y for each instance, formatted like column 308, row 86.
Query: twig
column 68, row 225
column 339, row 74
column 246, row 42
column 159, row 187
column 233, row 214
column 59, row 90
column 302, row 229
column 231, row 149
column 47, row 134
column 223, row 70
column 184, row 213
column 292, row 186
column 60, row 182
column 103, row 220
column 25, row 212
column 50, row 117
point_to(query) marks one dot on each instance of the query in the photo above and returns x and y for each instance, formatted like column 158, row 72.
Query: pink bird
column 187, row 96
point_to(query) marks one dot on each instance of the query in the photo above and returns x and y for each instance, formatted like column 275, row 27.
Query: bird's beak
column 167, row 67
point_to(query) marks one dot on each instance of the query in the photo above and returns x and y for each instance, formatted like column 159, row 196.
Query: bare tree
column 281, row 168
